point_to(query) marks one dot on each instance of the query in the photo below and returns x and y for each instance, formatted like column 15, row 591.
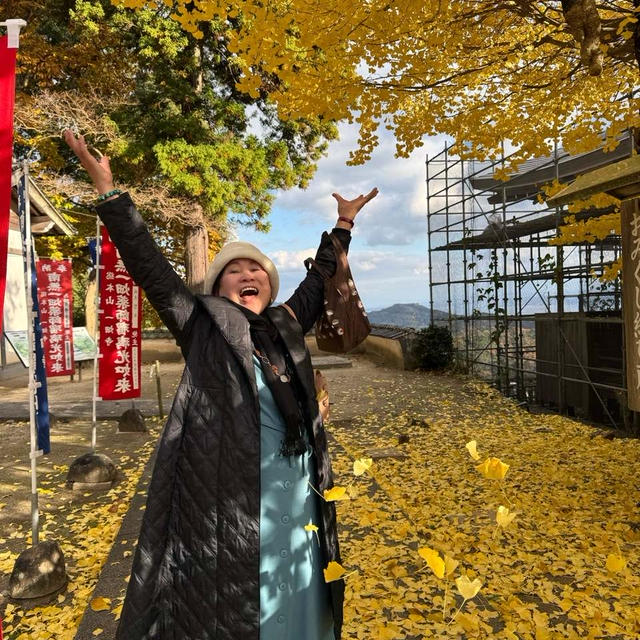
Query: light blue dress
column 294, row 598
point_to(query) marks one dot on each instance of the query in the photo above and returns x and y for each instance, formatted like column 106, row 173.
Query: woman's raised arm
column 143, row 259
column 308, row 299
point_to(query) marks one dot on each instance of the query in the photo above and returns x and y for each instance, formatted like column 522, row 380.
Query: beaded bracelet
column 347, row 220
column 103, row 196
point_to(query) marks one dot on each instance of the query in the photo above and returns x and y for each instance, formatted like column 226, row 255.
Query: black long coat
column 195, row 572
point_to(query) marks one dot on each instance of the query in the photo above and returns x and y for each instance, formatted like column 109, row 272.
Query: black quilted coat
column 195, row 572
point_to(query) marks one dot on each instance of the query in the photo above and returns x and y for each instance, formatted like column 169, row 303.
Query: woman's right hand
column 99, row 170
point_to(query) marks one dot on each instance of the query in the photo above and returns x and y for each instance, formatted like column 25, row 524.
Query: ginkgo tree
column 485, row 71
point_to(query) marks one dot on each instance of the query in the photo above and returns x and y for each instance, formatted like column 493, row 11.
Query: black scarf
column 281, row 379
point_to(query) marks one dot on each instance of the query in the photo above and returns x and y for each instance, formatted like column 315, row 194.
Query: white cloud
column 398, row 214
column 291, row 260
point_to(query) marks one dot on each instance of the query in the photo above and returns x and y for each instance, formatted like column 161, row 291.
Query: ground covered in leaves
column 85, row 524
column 566, row 566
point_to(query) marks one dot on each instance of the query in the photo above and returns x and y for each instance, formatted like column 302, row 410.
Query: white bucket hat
column 234, row 251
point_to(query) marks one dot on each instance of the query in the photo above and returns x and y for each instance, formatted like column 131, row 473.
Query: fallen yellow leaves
column 545, row 580
column 86, row 531
column 615, row 562
column 100, row 604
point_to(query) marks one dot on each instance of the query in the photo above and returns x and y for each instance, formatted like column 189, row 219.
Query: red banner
column 55, row 295
column 120, row 320
column 7, row 97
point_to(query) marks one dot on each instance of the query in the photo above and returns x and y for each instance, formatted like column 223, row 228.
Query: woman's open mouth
column 248, row 292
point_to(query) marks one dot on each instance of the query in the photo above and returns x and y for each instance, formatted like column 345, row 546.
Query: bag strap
column 310, row 262
column 341, row 259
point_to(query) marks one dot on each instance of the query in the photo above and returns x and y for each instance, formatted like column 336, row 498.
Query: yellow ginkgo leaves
column 100, row 604
column 616, row 562
column 493, row 469
column 472, row 448
column 433, row 559
column 335, row 571
column 361, row 465
column 440, row 566
column 312, row 528
column 335, row 493
column 468, row 589
column 504, row 517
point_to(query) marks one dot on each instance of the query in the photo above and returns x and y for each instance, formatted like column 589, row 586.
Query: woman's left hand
column 349, row 208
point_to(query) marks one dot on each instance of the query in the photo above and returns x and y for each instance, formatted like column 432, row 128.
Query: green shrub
column 433, row 348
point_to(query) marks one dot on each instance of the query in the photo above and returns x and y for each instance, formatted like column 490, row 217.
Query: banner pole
column 34, row 453
column 96, row 326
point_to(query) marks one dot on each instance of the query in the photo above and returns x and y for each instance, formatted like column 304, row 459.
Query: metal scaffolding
column 528, row 315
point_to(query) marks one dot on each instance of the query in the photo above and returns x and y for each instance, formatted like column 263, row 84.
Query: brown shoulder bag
column 343, row 324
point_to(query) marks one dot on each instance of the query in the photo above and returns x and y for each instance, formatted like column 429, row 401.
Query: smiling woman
column 223, row 551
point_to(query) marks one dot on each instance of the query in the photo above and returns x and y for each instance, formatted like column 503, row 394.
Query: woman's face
column 245, row 282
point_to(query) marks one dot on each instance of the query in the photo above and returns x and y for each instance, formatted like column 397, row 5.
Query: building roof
column 621, row 180
column 536, row 172
column 45, row 218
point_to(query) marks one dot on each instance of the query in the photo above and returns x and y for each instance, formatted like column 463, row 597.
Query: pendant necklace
column 283, row 377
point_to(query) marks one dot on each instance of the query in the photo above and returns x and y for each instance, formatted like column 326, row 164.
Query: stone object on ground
column 132, row 421
column 386, row 452
column 38, row 571
column 92, row 469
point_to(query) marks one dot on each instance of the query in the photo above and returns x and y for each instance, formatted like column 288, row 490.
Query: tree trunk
column 196, row 240
column 196, row 259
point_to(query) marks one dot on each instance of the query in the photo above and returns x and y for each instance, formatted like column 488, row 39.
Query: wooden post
column 630, row 224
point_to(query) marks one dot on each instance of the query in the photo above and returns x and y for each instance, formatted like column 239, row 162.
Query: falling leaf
column 100, row 604
column 615, row 562
column 310, row 527
column 98, row 631
column 334, row 571
column 468, row 589
column 493, row 469
column 503, row 517
column 361, row 465
column 450, row 565
column 335, row 493
column 471, row 448
column 433, row 559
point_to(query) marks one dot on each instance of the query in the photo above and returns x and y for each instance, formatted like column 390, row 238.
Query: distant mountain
column 417, row 316
column 412, row 315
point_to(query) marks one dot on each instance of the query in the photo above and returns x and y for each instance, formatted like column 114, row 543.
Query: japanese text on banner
column 120, row 321
column 55, row 295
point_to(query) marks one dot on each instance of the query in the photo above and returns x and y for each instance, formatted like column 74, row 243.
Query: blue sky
column 388, row 254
